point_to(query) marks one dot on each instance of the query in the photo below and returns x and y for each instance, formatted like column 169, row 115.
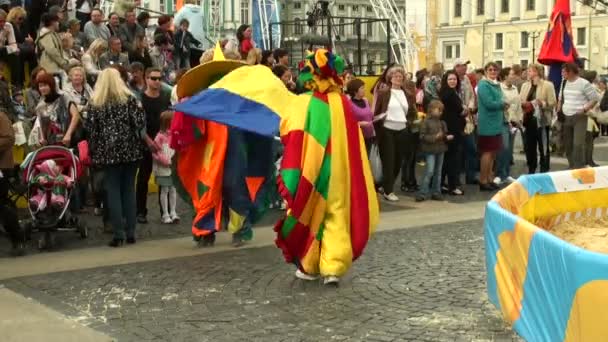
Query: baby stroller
column 50, row 174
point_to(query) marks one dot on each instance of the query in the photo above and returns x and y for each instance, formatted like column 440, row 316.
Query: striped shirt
column 576, row 95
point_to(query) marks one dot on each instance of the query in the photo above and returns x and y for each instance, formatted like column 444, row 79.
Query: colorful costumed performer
column 325, row 176
column 222, row 171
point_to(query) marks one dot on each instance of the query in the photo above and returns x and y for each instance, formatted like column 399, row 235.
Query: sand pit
column 590, row 233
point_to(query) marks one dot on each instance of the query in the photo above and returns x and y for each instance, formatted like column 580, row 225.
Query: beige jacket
column 52, row 58
column 545, row 92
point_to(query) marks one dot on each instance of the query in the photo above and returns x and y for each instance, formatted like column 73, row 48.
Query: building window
column 481, row 7
column 369, row 9
column 525, row 40
column 298, row 26
column 297, row 5
column 161, row 5
column 340, row 7
column 581, row 36
column 457, row 8
column 174, row 7
column 530, row 5
column 355, row 8
column 498, row 42
column 504, row 6
column 523, row 63
column 369, row 29
column 451, row 50
column 341, row 27
column 499, row 64
column 244, row 11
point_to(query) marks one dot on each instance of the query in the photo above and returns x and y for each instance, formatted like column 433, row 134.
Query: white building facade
column 511, row 31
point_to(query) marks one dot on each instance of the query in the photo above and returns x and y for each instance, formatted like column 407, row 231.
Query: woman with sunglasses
column 491, row 106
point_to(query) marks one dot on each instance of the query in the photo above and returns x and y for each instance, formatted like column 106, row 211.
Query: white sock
column 173, row 200
column 164, row 193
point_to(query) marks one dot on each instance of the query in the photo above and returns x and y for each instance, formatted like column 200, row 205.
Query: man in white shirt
column 576, row 100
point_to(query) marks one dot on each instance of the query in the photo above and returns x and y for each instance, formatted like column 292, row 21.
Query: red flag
column 558, row 45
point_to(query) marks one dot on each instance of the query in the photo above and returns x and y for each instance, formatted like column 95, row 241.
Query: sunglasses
column 155, row 78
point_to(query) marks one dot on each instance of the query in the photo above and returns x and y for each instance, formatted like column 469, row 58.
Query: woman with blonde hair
column 116, row 126
column 90, row 59
column 538, row 101
column 77, row 88
column 25, row 43
column 395, row 110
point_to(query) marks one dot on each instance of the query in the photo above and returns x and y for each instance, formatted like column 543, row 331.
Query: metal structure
column 403, row 47
column 265, row 12
column 324, row 32
column 214, row 19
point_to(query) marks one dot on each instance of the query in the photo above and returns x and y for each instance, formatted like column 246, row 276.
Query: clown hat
column 202, row 76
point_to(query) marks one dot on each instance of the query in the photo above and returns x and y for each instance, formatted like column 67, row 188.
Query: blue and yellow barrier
column 549, row 289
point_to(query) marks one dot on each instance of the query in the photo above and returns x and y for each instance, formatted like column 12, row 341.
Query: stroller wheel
column 83, row 230
column 46, row 241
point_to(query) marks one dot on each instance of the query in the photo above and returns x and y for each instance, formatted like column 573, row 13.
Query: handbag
column 375, row 163
column 83, row 153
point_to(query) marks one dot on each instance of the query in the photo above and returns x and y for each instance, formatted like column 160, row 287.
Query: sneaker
column 391, row 197
column 437, row 197
column 497, row 181
column 166, row 219
column 510, row 180
column 175, row 218
column 420, row 198
column 380, row 190
column 331, row 280
column 456, row 192
column 142, row 219
column 304, row 276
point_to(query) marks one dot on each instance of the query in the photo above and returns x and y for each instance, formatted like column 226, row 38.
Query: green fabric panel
column 322, row 183
column 197, row 132
column 291, row 179
column 319, row 236
column 201, row 189
column 318, row 121
column 288, row 225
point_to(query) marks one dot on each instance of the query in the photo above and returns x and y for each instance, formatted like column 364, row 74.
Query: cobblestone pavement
column 420, row 284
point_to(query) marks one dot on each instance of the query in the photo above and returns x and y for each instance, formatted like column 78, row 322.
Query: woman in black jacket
column 454, row 117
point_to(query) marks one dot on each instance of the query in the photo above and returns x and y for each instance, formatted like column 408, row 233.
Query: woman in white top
column 512, row 118
column 77, row 88
column 90, row 59
column 394, row 108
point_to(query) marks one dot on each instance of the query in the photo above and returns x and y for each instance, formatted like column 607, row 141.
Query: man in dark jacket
column 183, row 40
column 129, row 30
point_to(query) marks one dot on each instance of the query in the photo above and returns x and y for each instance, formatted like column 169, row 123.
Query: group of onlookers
column 471, row 122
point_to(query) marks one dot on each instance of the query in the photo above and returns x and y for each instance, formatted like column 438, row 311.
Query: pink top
column 364, row 114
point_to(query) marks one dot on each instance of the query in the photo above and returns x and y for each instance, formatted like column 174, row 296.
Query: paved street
column 421, row 284
column 422, row 278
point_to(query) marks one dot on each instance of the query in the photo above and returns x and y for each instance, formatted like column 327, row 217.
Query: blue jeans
column 119, row 180
column 432, row 174
column 471, row 160
column 506, row 154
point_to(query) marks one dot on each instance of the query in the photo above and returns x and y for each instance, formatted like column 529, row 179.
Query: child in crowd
column 162, row 170
column 433, row 137
column 50, row 182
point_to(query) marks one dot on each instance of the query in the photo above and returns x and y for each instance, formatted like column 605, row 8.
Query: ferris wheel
column 404, row 49
column 265, row 12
